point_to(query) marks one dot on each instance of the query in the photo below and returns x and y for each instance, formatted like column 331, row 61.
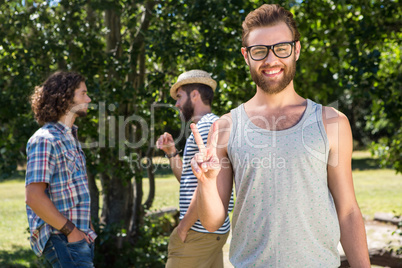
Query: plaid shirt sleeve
column 40, row 161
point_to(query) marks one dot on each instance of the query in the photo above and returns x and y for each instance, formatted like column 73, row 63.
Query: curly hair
column 52, row 99
column 268, row 15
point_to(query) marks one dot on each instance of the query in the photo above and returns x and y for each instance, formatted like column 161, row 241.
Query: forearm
column 211, row 210
column 176, row 164
column 191, row 215
column 353, row 239
column 40, row 203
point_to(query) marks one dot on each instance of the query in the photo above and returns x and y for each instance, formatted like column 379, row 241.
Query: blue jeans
column 59, row 253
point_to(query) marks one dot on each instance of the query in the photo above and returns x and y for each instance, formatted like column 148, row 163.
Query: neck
column 286, row 97
column 68, row 119
column 199, row 112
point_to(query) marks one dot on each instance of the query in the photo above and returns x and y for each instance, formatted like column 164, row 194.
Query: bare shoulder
column 338, row 129
column 220, row 132
column 224, row 121
column 331, row 115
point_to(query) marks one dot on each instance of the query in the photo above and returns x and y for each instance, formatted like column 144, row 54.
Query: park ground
column 377, row 190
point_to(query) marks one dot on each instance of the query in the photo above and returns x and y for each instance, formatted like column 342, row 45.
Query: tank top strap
column 237, row 118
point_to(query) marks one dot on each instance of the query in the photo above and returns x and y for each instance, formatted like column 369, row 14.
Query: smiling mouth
column 272, row 72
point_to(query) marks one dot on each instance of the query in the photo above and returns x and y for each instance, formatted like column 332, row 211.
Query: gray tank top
column 284, row 214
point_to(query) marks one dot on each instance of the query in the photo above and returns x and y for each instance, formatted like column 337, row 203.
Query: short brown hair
column 52, row 99
column 206, row 92
column 268, row 15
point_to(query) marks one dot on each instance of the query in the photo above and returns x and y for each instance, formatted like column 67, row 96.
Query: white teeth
column 272, row 72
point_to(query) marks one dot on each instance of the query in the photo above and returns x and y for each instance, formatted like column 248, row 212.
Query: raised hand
column 166, row 143
column 205, row 163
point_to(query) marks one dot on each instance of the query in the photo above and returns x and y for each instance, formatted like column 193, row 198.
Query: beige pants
column 199, row 250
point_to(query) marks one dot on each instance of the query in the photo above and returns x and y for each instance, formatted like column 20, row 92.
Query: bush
column 113, row 248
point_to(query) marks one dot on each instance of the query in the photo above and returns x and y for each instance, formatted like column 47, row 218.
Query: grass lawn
column 14, row 244
column 166, row 192
column 377, row 190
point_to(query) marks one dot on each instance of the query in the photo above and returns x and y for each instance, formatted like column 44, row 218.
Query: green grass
column 377, row 190
column 166, row 192
column 15, row 250
column 14, row 244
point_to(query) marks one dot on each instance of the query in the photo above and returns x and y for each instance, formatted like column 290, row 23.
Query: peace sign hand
column 205, row 163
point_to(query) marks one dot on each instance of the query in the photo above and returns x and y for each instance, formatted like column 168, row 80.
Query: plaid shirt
column 56, row 158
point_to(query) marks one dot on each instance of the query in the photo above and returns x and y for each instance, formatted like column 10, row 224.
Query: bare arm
column 166, row 143
column 189, row 218
column 40, row 203
column 340, row 181
column 215, row 175
column 176, row 165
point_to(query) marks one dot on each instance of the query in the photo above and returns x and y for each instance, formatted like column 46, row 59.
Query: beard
column 276, row 87
column 78, row 109
column 187, row 110
column 81, row 113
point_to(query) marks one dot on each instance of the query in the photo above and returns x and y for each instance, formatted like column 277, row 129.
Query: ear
column 297, row 49
column 245, row 55
column 194, row 94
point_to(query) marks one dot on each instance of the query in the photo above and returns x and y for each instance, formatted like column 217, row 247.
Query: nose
column 88, row 99
column 270, row 57
column 177, row 104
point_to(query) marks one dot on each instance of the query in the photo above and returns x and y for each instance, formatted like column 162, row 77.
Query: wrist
column 67, row 228
column 182, row 229
column 171, row 155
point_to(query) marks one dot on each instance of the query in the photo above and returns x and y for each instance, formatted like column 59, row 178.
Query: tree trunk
column 137, row 209
column 113, row 38
column 151, row 177
column 94, row 193
column 116, row 200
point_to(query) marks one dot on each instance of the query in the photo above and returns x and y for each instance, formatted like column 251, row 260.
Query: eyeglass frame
column 271, row 47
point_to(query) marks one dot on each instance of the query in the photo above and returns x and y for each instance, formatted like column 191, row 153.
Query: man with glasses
column 290, row 159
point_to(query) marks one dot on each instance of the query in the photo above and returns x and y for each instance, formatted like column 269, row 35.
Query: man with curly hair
column 57, row 195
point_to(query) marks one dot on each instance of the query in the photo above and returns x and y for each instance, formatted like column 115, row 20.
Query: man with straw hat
column 191, row 245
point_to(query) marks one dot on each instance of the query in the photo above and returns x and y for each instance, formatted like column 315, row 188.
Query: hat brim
column 192, row 80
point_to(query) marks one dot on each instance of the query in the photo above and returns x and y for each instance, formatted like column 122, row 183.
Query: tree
column 131, row 52
column 357, row 48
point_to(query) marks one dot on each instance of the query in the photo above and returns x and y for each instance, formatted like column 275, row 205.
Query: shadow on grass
column 20, row 257
column 160, row 171
column 18, row 175
column 365, row 164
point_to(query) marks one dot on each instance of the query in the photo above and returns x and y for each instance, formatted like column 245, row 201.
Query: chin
column 82, row 113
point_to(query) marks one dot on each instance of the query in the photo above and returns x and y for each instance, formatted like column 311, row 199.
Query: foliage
column 131, row 52
column 150, row 251
column 398, row 231
column 359, row 71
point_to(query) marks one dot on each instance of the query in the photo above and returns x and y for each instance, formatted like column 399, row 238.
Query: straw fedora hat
column 192, row 77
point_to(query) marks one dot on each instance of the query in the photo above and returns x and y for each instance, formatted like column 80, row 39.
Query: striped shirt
column 55, row 157
column 188, row 182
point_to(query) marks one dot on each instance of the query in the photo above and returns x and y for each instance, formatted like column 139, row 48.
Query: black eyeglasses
column 281, row 50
